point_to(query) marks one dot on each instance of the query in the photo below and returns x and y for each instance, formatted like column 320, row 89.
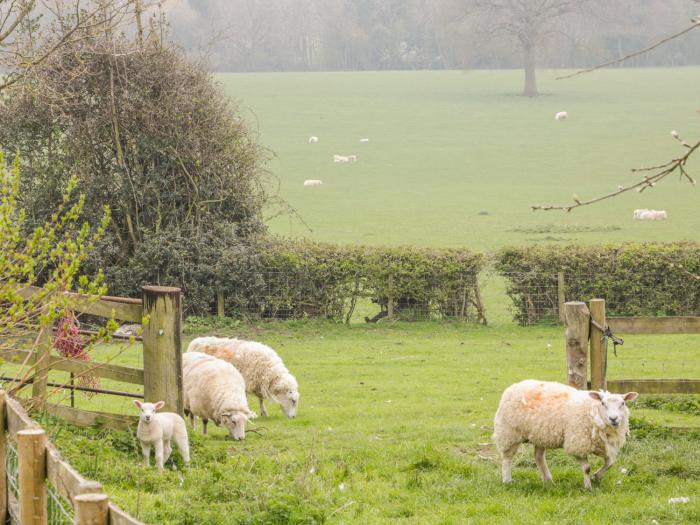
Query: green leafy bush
column 647, row 279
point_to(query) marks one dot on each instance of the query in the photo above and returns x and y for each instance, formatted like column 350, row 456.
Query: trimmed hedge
column 648, row 279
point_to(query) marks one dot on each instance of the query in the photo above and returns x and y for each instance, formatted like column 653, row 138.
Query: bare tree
column 529, row 22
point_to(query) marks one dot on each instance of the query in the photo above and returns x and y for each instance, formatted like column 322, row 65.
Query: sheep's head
column 612, row 408
column 235, row 423
column 286, row 393
column 148, row 410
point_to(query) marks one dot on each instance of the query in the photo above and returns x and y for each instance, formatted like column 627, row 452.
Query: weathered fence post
column 561, row 295
column 577, row 320
column 599, row 351
column 162, row 354
column 220, row 311
column 3, row 459
column 390, row 299
column 41, row 364
column 31, row 451
column 91, row 509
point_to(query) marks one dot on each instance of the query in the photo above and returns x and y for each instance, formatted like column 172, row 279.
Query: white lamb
column 214, row 389
column 157, row 430
column 313, row 140
column 264, row 372
column 552, row 415
column 313, row 182
column 562, row 115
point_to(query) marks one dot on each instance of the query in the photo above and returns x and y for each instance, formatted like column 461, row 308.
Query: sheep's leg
column 167, row 450
column 146, row 449
column 586, row 472
column 601, row 472
column 507, row 463
column 159, row 455
column 263, row 412
column 184, row 446
column 542, row 464
column 191, row 418
column 204, row 425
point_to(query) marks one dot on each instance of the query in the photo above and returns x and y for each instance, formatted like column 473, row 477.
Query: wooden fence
column 585, row 327
column 37, row 486
column 160, row 312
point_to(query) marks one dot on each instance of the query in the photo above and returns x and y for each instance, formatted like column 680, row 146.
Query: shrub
column 646, row 279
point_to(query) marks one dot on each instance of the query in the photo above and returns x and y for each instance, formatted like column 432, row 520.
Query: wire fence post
column 599, row 350
column 162, row 352
column 41, row 362
column 91, row 509
column 561, row 293
column 220, row 310
column 33, row 503
column 390, row 299
column 577, row 329
column 3, row 459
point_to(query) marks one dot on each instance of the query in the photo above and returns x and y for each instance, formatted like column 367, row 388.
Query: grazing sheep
column 638, row 213
column 313, row 182
column 215, row 390
column 650, row 215
column 313, row 140
column 344, row 158
column 264, row 372
column 562, row 115
column 364, row 140
column 552, row 415
column 157, row 430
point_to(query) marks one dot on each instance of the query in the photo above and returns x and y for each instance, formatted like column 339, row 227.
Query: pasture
column 445, row 145
column 394, row 427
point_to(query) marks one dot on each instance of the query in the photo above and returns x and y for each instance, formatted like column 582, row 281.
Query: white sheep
column 364, row 140
column 312, row 182
column 214, row 389
column 157, row 430
column 561, row 115
column 552, row 415
column 313, row 140
column 263, row 370
column 344, row 158
column 638, row 213
column 650, row 215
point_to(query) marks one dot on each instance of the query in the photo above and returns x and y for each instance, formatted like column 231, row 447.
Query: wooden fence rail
column 39, row 462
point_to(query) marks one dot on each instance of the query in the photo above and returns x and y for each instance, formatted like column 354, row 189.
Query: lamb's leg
column 204, row 425
column 586, row 472
column 183, row 445
column 542, row 464
column 159, row 455
column 263, row 412
column 146, row 449
column 601, row 472
column 167, row 450
column 507, row 463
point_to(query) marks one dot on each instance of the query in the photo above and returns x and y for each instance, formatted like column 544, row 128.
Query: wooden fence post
column 91, row 509
column 561, row 295
column 599, row 352
column 577, row 328
column 162, row 353
column 31, row 451
column 221, row 312
column 3, row 459
column 390, row 299
column 41, row 364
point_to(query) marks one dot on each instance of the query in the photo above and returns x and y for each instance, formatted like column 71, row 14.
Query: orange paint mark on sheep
column 533, row 398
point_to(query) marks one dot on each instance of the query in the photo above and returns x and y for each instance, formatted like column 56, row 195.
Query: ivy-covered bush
column 645, row 279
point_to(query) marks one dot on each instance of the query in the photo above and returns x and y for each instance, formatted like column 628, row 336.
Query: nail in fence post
column 162, row 353
column 577, row 320
column 91, row 509
column 599, row 354
column 31, row 451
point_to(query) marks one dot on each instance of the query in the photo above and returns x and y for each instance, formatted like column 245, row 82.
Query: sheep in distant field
column 364, row 140
column 562, row 115
column 344, row 158
column 638, row 213
column 312, row 182
column 263, row 370
column 157, row 430
column 313, row 140
column 214, row 389
column 650, row 215
column 552, row 415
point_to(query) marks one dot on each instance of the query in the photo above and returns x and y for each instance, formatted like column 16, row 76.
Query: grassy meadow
column 395, row 419
column 445, row 145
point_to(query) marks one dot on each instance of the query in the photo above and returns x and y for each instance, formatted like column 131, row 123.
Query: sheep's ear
column 225, row 416
column 595, row 395
column 159, row 405
column 137, row 403
column 630, row 396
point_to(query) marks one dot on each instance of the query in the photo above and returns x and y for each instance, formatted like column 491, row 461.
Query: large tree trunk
column 530, row 89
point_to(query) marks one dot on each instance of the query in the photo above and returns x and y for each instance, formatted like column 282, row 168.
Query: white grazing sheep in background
column 638, row 213
column 364, row 140
column 313, row 140
column 214, row 389
column 552, row 415
column 344, row 158
column 650, row 215
column 562, row 115
column 157, row 430
column 263, row 370
column 313, row 182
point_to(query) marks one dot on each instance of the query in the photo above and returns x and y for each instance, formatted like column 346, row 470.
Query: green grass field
column 446, row 145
